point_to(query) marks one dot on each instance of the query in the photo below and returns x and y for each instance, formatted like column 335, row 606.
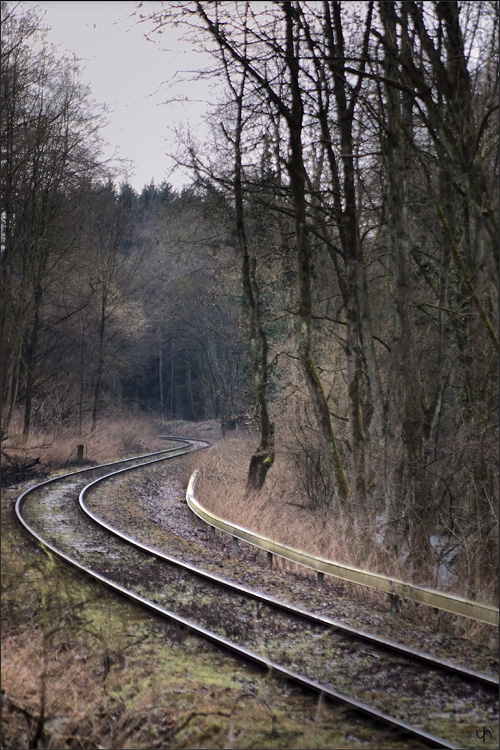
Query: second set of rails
column 368, row 674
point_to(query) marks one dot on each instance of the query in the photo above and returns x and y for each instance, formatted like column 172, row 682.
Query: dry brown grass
column 114, row 437
column 110, row 677
column 284, row 512
column 116, row 679
column 280, row 511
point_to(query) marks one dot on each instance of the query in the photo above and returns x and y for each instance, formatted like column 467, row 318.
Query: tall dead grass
column 281, row 511
column 115, row 436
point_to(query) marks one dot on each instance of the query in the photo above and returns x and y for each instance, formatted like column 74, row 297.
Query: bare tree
column 50, row 149
column 263, row 458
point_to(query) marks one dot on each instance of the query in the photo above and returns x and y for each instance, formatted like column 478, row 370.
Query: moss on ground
column 116, row 678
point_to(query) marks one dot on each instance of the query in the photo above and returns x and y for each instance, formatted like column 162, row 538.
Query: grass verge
column 281, row 512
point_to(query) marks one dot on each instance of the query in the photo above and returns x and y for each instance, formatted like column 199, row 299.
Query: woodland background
column 329, row 278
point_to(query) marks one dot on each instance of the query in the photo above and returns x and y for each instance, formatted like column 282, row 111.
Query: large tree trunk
column 413, row 495
column 297, row 173
column 263, row 458
column 30, row 360
column 100, row 363
column 160, row 372
column 351, row 242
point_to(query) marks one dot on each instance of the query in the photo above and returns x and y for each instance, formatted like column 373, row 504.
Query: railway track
column 388, row 683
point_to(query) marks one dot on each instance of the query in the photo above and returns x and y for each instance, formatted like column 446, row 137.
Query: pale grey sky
column 131, row 75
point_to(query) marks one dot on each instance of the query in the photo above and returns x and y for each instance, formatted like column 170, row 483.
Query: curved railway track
column 370, row 675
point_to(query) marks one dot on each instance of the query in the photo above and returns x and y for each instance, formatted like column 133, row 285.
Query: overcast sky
column 134, row 78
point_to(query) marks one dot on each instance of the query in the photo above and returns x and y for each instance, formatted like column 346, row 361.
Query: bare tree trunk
column 100, row 360
column 413, row 488
column 263, row 458
column 81, row 379
column 160, row 373
column 351, row 240
column 30, row 361
column 296, row 171
column 189, row 390
column 172, row 383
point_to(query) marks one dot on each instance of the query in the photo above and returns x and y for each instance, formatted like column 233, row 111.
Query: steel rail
column 138, row 463
column 437, row 599
column 375, row 640
column 56, row 478
column 240, row 651
column 379, row 716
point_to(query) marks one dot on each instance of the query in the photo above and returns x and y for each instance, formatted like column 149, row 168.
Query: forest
column 329, row 277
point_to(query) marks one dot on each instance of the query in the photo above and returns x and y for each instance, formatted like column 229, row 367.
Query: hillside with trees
column 330, row 273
